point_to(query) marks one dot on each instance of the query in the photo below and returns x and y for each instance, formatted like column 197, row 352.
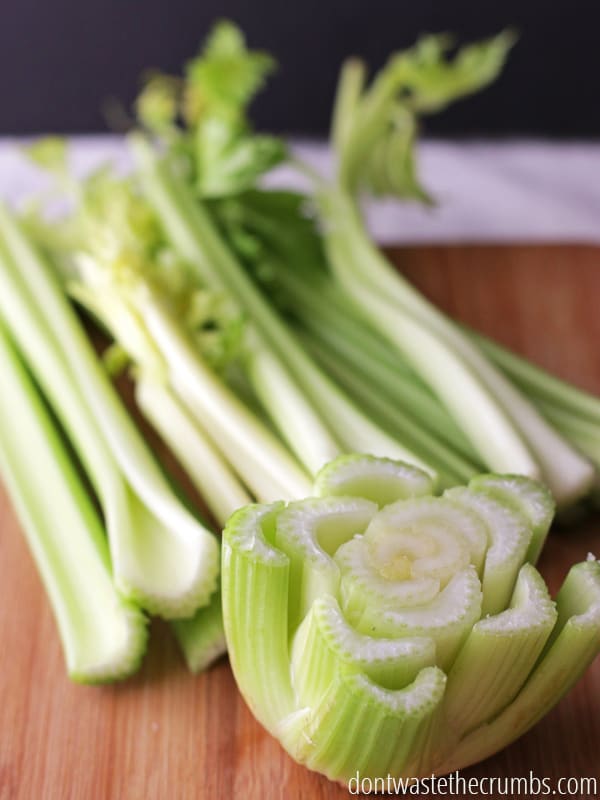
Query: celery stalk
column 103, row 635
column 207, row 469
column 538, row 383
column 450, row 466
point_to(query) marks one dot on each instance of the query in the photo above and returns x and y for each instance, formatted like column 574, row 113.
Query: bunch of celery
column 267, row 336
column 439, row 392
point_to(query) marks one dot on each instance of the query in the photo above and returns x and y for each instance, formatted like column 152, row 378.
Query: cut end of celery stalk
column 404, row 636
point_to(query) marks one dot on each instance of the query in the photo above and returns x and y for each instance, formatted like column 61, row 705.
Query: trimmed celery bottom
column 103, row 635
column 399, row 633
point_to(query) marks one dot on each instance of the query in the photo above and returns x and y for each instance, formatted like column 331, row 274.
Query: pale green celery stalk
column 326, row 314
column 449, row 465
column 201, row 638
column 580, row 431
column 322, row 308
column 163, row 351
column 286, row 406
column 103, row 635
column 538, row 384
column 572, row 411
column 208, row 471
column 262, row 461
column 502, row 424
column 161, row 554
column 195, row 238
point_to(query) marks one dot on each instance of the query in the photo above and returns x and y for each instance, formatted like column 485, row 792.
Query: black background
column 61, row 60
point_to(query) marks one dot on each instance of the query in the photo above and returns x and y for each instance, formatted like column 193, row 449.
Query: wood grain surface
column 167, row 734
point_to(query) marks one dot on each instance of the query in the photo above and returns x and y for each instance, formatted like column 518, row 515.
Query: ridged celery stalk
column 103, row 635
column 378, row 627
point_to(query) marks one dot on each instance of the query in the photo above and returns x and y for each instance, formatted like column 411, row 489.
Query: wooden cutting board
column 166, row 734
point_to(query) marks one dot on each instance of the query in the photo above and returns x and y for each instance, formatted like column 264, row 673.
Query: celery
column 103, row 635
column 373, row 134
column 322, row 403
column 503, row 426
column 381, row 628
column 161, row 556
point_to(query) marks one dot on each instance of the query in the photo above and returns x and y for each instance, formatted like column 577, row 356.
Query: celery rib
column 103, row 635
column 205, row 466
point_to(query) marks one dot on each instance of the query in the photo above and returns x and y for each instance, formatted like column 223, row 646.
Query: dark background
column 61, row 60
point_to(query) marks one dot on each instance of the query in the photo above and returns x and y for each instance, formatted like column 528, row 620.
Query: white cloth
column 515, row 190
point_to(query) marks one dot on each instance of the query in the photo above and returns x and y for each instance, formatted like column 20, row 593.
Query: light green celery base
column 358, row 725
column 359, row 634
column 532, row 500
column 380, row 480
column 498, row 655
column 509, row 541
column 103, row 636
column 325, row 641
column 308, row 531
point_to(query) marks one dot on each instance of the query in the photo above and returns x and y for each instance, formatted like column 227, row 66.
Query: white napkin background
column 514, row 190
